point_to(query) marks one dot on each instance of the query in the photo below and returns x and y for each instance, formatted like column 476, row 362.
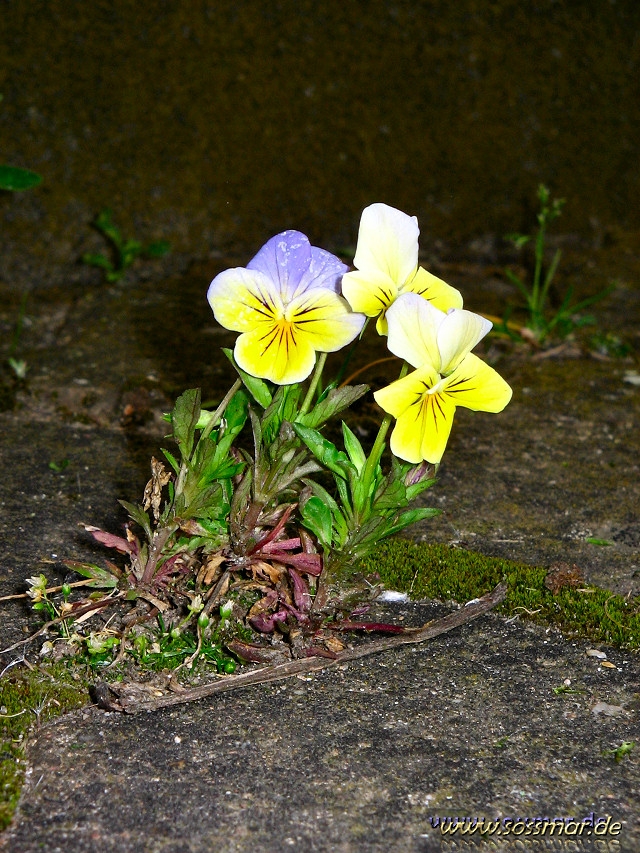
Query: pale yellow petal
column 413, row 325
column 459, row 332
column 369, row 292
column 477, row 386
column 440, row 294
column 240, row 298
column 387, row 242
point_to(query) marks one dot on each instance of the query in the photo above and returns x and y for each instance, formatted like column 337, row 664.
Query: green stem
column 214, row 420
column 379, row 444
column 317, row 373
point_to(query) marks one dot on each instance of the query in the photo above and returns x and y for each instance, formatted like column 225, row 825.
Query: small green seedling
column 541, row 322
column 565, row 690
column 59, row 467
column 621, row 751
column 124, row 252
column 19, row 367
column 593, row 540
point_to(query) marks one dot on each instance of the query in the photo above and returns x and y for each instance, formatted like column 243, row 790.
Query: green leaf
column 14, row 179
column 316, row 515
column 138, row 515
column 330, row 405
column 106, row 227
column 411, row 516
column 258, row 389
column 100, row 261
column 284, row 407
column 171, row 459
column 354, row 448
column 98, row 578
column 325, row 451
column 184, row 419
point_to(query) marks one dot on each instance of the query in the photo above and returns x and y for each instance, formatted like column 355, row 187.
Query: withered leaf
column 562, row 575
column 153, row 490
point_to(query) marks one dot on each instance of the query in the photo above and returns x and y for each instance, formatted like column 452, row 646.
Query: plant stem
column 317, row 373
column 378, row 445
column 215, row 417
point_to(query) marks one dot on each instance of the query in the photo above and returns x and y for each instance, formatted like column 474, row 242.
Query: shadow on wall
column 218, row 124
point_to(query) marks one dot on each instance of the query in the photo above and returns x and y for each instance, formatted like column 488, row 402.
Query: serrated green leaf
column 325, row 451
column 99, row 578
column 171, row 459
column 184, row 418
column 411, row 516
column 284, row 407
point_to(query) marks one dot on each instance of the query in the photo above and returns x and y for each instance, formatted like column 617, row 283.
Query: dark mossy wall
column 217, row 123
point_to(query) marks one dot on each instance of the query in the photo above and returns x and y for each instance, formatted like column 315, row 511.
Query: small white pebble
column 393, row 595
column 596, row 653
column 177, row 739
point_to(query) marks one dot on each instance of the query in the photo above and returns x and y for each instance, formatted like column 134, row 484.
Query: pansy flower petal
column 423, row 418
column 440, row 294
column 284, row 259
column 413, row 330
column 273, row 352
column 369, row 293
column 325, row 271
column 477, row 386
column 324, row 319
column 459, row 332
column 240, row 298
column 387, row 242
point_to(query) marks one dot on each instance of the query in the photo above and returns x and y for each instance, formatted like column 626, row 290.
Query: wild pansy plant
column 254, row 533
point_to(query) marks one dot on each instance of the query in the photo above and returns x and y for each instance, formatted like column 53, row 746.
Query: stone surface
column 365, row 758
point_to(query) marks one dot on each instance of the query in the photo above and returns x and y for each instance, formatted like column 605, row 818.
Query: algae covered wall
column 214, row 124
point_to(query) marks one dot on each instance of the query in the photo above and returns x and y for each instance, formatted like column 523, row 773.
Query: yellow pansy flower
column 386, row 262
column 448, row 375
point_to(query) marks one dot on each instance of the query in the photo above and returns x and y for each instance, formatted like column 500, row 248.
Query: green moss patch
column 444, row 572
column 29, row 698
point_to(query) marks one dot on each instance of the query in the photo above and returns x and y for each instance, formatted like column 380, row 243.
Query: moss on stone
column 444, row 572
column 29, row 697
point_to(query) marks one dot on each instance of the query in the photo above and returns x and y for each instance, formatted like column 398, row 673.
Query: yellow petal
column 387, row 242
column 475, row 385
column 440, row 294
column 369, row 292
column 422, row 432
column 241, row 298
column 424, row 419
column 323, row 320
column 273, row 352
